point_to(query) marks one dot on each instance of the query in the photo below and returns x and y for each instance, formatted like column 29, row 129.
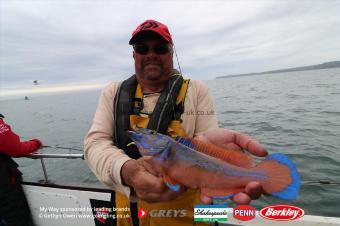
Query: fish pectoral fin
column 171, row 183
column 169, row 180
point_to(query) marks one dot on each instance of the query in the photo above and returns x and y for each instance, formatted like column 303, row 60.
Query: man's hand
column 146, row 181
column 230, row 139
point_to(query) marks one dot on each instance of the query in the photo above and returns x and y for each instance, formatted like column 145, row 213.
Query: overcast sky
column 65, row 42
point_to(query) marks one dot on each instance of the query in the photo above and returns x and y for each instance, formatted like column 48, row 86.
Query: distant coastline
column 43, row 90
column 332, row 64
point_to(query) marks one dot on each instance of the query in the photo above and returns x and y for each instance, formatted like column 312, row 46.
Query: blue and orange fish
column 215, row 171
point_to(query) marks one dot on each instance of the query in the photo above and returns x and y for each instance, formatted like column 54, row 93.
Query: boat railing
column 42, row 156
column 48, row 155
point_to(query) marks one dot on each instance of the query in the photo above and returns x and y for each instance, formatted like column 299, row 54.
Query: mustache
column 146, row 62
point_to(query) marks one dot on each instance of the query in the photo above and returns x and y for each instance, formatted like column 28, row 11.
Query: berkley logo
column 244, row 212
column 282, row 212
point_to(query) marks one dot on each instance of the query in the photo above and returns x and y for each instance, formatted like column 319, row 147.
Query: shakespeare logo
column 206, row 213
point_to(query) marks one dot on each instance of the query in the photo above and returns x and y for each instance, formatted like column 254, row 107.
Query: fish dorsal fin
column 234, row 157
column 186, row 142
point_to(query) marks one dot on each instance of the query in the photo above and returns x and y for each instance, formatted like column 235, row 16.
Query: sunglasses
column 144, row 49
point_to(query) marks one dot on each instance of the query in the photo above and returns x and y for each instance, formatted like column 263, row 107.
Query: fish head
column 149, row 142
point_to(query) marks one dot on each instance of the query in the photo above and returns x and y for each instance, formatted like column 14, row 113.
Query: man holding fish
column 158, row 98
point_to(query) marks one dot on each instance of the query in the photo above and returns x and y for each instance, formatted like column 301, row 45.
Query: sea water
column 296, row 113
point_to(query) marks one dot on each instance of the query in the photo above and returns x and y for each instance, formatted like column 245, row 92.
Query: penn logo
column 244, row 213
column 282, row 212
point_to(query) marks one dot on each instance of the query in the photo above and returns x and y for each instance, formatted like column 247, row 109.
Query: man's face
column 152, row 66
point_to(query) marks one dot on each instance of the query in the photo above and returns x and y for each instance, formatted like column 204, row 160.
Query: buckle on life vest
column 138, row 105
column 178, row 111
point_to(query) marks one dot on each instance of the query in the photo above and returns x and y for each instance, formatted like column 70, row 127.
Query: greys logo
column 168, row 213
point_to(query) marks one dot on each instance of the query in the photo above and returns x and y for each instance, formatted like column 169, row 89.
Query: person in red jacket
column 14, row 210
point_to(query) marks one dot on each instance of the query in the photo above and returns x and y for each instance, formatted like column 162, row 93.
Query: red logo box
column 282, row 212
column 142, row 213
column 244, row 212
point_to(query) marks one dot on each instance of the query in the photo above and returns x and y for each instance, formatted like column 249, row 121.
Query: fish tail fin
column 283, row 179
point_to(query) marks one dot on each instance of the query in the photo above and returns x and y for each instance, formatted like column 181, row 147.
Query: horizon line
column 51, row 89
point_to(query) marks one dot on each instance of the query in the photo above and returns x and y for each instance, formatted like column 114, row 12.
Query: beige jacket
column 106, row 160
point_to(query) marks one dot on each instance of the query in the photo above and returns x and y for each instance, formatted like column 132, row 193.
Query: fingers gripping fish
column 214, row 170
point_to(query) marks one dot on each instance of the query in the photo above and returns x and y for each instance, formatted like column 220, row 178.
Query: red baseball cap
column 151, row 26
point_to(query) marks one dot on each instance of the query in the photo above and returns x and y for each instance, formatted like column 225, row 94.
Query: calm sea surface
column 295, row 113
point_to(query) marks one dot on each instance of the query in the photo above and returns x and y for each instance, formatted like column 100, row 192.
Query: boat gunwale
column 67, row 186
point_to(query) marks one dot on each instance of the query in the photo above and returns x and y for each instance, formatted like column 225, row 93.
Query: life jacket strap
column 138, row 104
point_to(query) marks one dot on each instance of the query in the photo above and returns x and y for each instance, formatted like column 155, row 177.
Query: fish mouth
column 136, row 138
column 139, row 140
